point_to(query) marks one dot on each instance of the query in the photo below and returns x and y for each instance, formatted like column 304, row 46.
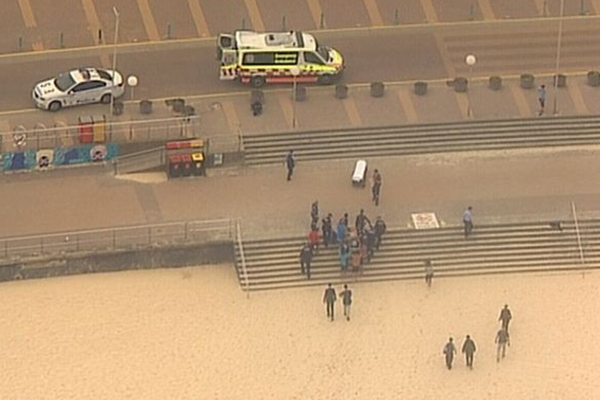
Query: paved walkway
column 500, row 186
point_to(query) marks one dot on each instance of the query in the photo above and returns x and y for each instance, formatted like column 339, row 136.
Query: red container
column 187, row 164
column 174, row 166
column 86, row 130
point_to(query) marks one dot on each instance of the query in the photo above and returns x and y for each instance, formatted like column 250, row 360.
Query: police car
column 79, row 86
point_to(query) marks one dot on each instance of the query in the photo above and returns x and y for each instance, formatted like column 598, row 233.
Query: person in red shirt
column 313, row 238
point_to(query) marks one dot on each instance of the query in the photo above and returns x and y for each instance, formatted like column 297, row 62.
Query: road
column 416, row 52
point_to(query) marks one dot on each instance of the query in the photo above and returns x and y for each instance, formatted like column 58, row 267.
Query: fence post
column 114, row 239
column 322, row 24
column 168, row 30
column 41, row 245
column 6, row 248
column 61, row 40
column 99, row 36
column 20, row 43
column 283, row 23
column 149, row 235
column 396, row 17
column 581, row 257
column 77, row 244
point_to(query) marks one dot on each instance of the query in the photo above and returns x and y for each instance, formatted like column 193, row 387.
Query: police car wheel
column 257, row 81
column 55, row 106
column 105, row 99
column 325, row 79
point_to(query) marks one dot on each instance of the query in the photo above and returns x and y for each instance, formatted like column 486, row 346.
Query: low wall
column 111, row 261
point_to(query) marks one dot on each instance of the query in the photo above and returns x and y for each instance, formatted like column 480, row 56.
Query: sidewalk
column 501, row 187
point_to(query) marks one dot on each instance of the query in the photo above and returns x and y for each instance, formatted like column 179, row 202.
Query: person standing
column 371, row 240
column 344, row 255
column 428, row 273
column 290, row 162
column 542, row 98
column 379, row 230
column 361, row 222
column 341, row 230
column 314, row 214
column 326, row 227
column 502, row 339
column 449, row 351
column 469, row 350
column 376, row 189
column 313, row 238
column 346, row 296
column 505, row 317
column 468, row 221
column 329, row 298
column 306, row 256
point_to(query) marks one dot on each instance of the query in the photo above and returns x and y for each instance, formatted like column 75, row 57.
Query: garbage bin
column 174, row 166
column 198, row 159
column 86, row 130
column 99, row 128
column 186, row 164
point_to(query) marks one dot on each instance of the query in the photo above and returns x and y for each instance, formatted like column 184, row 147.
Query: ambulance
column 277, row 57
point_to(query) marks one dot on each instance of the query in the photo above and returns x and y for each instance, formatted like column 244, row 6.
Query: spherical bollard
column 593, row 78
column 377, row 89
column 301, row 93
column 341, row 91
column 461, row 84
column 420, row 88
column 527, row 81
column 560, row 80
column 495, row 82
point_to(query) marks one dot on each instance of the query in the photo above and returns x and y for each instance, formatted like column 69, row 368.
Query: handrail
column 581, row 256
column 242, row 258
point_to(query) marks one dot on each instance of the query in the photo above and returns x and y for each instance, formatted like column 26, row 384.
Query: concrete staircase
column 262, row 149
column 493, row 249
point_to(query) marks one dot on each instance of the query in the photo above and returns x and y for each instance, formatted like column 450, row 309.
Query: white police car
column 79, row 86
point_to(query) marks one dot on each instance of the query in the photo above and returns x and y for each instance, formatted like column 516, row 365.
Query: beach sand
column 192, row 334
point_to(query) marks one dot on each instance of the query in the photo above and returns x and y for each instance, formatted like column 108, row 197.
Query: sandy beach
column 192, row 334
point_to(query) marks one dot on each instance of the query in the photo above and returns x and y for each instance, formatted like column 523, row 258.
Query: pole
column 469, row 110
column 114, row 66
column 558, row 46
column 294, row 104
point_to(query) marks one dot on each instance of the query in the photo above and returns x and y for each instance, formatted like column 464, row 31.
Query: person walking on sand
column 541, row 93
column 376, row 189
column 468, row 221
column 469, row 350
column 306, row 256
column 329, row 299
column 428, row 273
column 449, row 351
column 290, row 162
column 502, row 340
column 505, row 317
column 346, row 297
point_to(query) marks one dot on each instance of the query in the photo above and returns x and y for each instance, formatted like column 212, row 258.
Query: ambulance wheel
column 326, row 79
column 105, row 99
column 55, row 106
column 257, row 81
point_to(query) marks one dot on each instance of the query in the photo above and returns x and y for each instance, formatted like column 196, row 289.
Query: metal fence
column 136, row 131
column 121, row 238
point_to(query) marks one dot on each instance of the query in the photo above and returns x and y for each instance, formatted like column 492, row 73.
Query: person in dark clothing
column 468, row 221
column 376, row 189
column 329, row 298
column 344, row 255
column 505, row 317
column 327, row 228
column 346, row 297
column 379, row 230
column 306, row 256
column 341, row 230
column 314, row 213
column 469, row 350
column 371, row 240
column 502, row 339
column 290, row 162
column 449, row 351
column 428, row 273
column 361, row 222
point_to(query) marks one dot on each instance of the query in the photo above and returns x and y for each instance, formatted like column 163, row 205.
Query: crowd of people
column 356, row 245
